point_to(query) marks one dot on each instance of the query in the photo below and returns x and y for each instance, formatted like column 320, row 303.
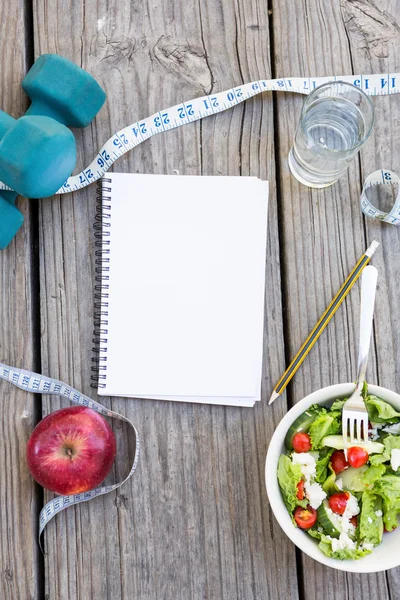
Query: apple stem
column 70, row 453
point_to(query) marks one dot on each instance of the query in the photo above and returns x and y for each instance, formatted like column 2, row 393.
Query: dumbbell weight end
column 60, row 89
column 37, row 154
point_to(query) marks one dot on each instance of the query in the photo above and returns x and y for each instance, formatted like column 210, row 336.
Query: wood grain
column 194, row 522
column 20, row 575
column 324, row 232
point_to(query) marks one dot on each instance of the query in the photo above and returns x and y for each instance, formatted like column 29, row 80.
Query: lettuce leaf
column 388, row 487
column 338, row 404
column 346, row 554
column 329, row 486
column 378, row 459
column 315, row 533
column 325, row 424
column 372, row 474
column 322, row 464
column 389, row 484
column 380, row 411
column 370, row 525
column 390, row 442
column 289, row 476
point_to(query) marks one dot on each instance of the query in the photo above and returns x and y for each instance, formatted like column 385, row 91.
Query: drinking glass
column 336, row 119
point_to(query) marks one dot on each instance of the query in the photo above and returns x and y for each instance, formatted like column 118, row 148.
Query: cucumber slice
column 301, row 424
column 352, row 479
column 336, row 441
column 328, row 520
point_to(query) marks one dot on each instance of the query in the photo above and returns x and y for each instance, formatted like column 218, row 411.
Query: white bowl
column 385, row 556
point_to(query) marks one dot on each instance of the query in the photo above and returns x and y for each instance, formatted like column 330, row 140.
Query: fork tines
column 355, row 426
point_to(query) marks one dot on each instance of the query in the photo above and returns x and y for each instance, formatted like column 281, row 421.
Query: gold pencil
column 323, row 321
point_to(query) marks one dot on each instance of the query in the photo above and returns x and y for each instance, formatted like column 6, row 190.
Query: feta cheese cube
column 395, row 459
column 367, row 546
column 307, row 464
column 343, row 543
column 315, row 494
column 374, row 431
column 393, row 429
column 352, row 507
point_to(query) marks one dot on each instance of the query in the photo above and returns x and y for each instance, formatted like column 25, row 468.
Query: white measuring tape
column 40, row 384
column 199, row 108
column 381, row 177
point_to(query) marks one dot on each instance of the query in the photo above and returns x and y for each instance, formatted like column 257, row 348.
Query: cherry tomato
column 300, row 490
column 305, row 517
column 338, row 502
column 354, row 521
column 339, row 462
column 357, row 456
column 301, row 442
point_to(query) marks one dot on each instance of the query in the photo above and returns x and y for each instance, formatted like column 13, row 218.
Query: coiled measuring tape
column 382, row 177
column 199, row 108
column 40, row 384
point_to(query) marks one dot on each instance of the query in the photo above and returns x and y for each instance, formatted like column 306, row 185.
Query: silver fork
column 355, row 415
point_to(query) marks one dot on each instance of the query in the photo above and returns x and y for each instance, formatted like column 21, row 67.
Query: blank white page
column 187, row 279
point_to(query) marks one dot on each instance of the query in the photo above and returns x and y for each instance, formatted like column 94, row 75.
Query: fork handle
column 368, row 288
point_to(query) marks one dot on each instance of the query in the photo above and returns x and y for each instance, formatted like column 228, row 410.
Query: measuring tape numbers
column 205, row 106
column 40, row 384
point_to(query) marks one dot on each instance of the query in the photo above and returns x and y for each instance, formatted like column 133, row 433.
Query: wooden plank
column 324, row 234
column 19, row 496
column 194, row 522
column 373, row 34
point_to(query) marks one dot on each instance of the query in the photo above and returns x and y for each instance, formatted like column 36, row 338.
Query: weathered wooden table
column 194, row 522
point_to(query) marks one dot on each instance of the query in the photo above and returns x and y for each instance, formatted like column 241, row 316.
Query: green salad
column 346, row 503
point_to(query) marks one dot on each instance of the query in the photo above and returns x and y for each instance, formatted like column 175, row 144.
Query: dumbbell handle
column 35, row 109
column 38, row 108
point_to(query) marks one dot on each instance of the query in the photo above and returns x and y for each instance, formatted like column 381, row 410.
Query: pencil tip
column 274, row 396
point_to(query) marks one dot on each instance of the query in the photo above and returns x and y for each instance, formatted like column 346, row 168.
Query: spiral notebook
column 180, row 287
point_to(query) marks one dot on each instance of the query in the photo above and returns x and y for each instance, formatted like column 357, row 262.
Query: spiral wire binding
column 101, row 228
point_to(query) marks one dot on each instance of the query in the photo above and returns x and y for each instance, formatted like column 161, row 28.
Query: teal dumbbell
column 38, row 151
column 10, row 217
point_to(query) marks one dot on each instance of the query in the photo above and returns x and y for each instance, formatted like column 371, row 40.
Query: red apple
column 71, row 450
